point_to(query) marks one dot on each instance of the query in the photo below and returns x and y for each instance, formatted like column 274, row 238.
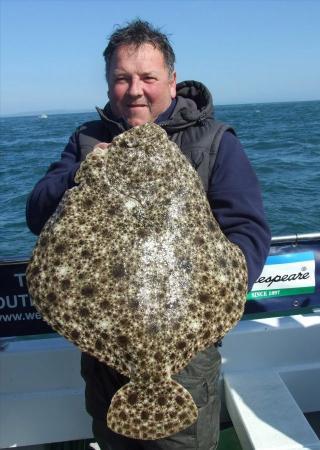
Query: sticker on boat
column 284, row 275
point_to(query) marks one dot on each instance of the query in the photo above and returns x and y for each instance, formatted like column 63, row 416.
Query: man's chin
column 136, row 121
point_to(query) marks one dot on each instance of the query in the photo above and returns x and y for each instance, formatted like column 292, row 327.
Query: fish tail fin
column 151, row 411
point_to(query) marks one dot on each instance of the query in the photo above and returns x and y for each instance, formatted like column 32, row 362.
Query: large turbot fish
column 133, row 268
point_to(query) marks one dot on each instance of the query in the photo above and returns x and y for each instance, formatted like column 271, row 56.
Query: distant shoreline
column 46, row 112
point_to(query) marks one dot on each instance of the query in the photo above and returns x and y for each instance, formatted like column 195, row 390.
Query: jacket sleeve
column 48, row 192
column 235, row 198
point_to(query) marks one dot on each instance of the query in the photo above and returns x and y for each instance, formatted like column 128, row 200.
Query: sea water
column 282, row 141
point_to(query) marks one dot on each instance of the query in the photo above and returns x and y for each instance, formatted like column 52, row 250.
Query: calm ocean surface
column 282, row 141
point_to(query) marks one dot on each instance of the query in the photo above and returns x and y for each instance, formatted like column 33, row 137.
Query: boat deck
column 229, row 439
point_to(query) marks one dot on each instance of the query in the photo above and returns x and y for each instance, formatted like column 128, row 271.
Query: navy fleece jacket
column 234, row 196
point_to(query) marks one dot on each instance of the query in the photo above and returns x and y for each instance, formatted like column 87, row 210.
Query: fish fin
column 151, row 411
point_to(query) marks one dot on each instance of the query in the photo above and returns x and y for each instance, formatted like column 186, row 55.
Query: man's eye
column 149, row 78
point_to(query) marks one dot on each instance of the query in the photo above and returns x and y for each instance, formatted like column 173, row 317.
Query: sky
column 243, row 51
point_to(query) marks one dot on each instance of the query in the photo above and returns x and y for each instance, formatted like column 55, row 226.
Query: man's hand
column 103, row 145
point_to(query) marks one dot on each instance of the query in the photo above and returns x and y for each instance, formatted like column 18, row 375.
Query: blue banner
column 17, row 315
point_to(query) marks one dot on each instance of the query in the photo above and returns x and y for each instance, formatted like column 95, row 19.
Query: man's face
column 140, row 87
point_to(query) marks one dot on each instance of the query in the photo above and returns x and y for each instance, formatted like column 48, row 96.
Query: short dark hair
column 136, row 33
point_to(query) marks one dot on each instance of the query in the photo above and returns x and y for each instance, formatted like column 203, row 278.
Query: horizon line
column 59, row 111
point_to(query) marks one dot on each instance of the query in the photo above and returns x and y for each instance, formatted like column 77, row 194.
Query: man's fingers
column 103, row 145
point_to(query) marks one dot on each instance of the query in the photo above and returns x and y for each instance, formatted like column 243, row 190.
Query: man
column 142, row 88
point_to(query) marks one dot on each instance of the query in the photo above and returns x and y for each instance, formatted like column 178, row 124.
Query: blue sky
column 244, row 51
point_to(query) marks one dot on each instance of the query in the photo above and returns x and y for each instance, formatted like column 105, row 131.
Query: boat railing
column 295, row 238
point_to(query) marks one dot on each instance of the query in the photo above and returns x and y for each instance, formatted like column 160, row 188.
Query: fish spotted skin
column 133, row 268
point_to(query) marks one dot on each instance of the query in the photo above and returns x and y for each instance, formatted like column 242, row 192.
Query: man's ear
column 173, row 84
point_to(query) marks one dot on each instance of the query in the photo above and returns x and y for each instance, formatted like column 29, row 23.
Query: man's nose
column 135, row 88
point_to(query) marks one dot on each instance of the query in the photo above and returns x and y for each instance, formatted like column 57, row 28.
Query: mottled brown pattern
column 145, row 278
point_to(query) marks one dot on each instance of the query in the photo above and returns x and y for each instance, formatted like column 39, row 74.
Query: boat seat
column 265, row 414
